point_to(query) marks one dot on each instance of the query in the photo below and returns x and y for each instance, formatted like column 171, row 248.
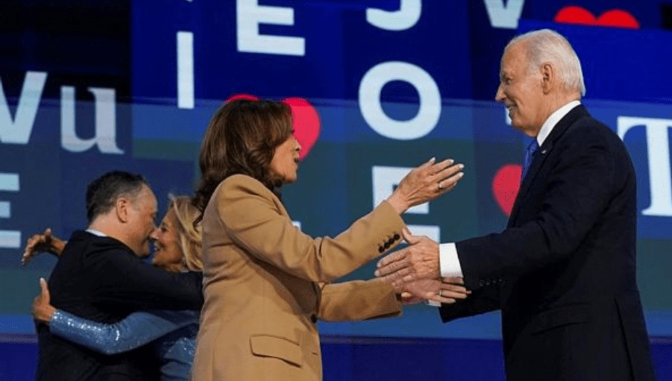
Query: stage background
column 377, row 87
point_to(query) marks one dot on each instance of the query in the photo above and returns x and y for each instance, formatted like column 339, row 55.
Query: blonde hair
column 546, row 45
column 189, row 234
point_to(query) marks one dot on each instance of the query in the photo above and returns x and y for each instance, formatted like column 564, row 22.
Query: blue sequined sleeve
column 137, row 329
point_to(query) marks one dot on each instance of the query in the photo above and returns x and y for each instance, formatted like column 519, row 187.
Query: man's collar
column 96, row 232
column 552, row 120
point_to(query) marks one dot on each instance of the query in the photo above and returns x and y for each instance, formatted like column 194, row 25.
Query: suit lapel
column 542, row 154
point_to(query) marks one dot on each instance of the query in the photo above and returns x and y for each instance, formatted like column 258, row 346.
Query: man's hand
column 420, row 260
column 42, row 308
column 40, row 243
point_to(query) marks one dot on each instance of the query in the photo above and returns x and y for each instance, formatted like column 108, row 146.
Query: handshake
column 415, row 273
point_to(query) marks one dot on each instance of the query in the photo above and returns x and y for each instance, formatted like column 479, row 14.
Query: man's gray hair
column 546, row 45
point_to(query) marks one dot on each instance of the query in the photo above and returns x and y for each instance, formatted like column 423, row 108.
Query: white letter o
column 369, row 100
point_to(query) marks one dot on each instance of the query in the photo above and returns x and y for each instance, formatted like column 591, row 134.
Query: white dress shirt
column 96, row 232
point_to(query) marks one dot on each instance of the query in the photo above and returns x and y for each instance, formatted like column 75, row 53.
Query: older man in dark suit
column 100, row 276
column 563, row 271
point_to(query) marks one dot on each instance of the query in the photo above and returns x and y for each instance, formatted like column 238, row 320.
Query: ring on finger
column 438, row 183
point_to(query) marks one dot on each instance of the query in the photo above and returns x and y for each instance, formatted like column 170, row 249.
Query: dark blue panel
column 362, row 358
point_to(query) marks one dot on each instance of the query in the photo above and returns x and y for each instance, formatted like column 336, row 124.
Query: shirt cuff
column 449, row 262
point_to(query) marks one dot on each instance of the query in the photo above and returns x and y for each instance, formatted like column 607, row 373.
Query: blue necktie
column 529, row 154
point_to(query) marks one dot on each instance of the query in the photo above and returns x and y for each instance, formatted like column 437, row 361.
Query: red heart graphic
column 505, row 186
column 616, row 18
column 305, row 119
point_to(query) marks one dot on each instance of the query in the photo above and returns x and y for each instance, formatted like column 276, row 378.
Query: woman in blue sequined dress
column 172, row 333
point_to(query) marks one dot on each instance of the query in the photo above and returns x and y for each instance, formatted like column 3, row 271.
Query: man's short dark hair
column 103, row 192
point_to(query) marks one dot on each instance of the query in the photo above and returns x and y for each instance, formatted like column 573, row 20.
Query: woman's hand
column 42, row 308
column 442, row 291
column 40, row 243
column 425, row 183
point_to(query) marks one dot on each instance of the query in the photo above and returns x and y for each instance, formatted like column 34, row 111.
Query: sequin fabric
column 172, row 333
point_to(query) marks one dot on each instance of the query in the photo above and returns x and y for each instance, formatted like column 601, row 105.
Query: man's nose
column 499, row 96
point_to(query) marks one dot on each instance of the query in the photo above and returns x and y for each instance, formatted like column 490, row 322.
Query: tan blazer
column 265, row 285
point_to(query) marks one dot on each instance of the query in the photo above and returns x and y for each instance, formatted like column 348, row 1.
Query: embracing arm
column 130, row 282
column 583, row 196
column 358, row 300
column 257, row 222
column 579, row 188
column 137, row 329
column 40, row 243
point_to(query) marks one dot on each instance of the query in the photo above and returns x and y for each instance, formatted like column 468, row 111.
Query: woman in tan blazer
column 265, row 282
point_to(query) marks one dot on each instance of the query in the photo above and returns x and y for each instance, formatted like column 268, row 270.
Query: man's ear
column 548, row 79
column 121, row 206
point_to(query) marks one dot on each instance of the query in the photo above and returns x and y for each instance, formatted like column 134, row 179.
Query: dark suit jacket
column 563, row 272
column 99, row 278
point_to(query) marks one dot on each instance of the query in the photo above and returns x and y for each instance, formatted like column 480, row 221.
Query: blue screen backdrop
column 88, row 87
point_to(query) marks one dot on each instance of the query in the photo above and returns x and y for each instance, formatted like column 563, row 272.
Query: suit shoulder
column 240, row 179
column 96, row 250
column 239, row 192
column 236, row 184
column 591, row 131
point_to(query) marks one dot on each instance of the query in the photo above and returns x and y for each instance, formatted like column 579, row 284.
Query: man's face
column 141, row 216
column 520, row 89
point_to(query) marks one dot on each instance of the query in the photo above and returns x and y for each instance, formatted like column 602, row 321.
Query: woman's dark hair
column 241, row 139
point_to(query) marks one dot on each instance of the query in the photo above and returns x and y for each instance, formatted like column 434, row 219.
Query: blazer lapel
column 541, row 155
